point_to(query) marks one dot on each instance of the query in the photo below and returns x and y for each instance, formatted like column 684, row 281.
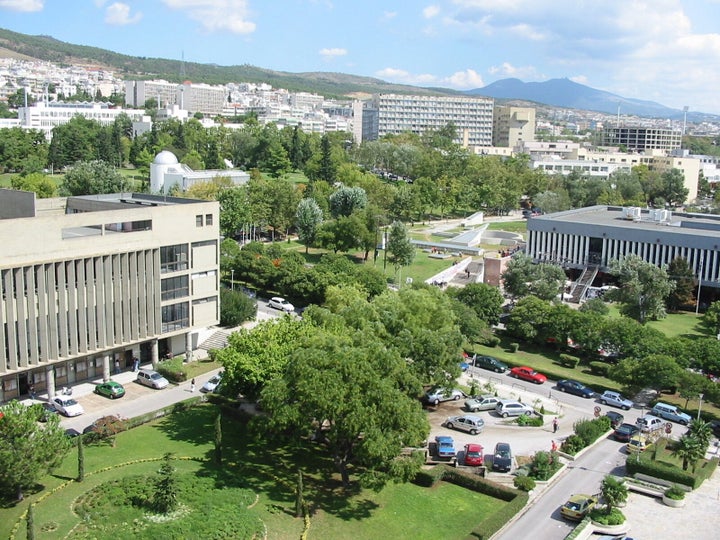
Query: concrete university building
column 89, row 283
column 585, row 240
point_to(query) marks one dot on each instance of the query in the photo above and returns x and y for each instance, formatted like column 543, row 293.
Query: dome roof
column 165, row 158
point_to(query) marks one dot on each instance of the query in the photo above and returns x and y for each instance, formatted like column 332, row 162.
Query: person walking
column 117, row 366
column 31, row 391
column 192, row 385
column 556, row 423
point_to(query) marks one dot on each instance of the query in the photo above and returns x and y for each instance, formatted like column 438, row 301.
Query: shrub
column 569, row 360
column 173, row 370
column 514, row 346
column 524, row 483
column 492, row 341
column 672, row 473
column 675, row 493
column 529, row 420
column 615, row 517
column 543, row 466
column 591, row 430
column 599, row 368
column 236, row 307
column 572, row 445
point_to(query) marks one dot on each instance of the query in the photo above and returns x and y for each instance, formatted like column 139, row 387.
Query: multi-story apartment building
column 513, row 126
column 105, row 278
column 395, row 113
column 45, row 116
column 638, row 139
column 138, row 92
column 202, row 98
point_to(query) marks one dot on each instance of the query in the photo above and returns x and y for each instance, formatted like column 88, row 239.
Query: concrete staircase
column 581, row 286
column 216, row 340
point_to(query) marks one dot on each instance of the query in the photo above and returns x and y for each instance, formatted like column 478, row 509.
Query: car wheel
column 436, row 402
column 504, row 415
column 450, row 425
column 473, row 432
column 683, row 423
column 562, row 389
column 497, row 370
column 456, row 398
column 603, row 402
column 626, row 408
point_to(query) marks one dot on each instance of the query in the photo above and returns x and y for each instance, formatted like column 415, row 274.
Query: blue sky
column 660, row 50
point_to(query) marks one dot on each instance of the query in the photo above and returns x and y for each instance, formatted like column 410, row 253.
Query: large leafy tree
column 711, row 318
column 93, row 178
column 348, row 393
column 642, row 288
column 39, row 183
column 28, row 449
column 234, row 210
column 400, row 250
column 680, row 273
column 347, row 200
column 522, row 277
column 482, row 298
column 656, row 371
column 308, row 218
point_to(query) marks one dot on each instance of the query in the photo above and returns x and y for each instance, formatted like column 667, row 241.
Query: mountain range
column 554, row 93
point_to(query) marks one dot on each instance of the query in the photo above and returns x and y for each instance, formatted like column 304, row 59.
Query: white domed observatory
column 163, row 163
column 166, row 171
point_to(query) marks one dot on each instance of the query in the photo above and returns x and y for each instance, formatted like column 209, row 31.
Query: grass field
column 254, row 485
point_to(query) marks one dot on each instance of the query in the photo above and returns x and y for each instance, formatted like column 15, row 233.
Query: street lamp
column 697, row 303
column 701, row 396
column 232, row 279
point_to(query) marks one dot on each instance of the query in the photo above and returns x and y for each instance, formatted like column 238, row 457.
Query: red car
column 528, row 374
column 473, row 455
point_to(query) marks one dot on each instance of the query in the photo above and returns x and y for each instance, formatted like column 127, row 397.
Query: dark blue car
column 574, row 387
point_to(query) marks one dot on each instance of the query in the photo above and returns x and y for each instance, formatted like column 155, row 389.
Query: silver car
column 616, row 400
column 470, row 423
column 151, row 378
column 481, row 403
column 512, row 408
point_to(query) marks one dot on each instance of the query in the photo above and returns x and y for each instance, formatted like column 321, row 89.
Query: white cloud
column 506, row 69
column 465, row 79
column 22, row 5
column 230, row 15
column 118, row 14
column 460, row 80
column 430, row 11
column 329, row 53
column 388, row 15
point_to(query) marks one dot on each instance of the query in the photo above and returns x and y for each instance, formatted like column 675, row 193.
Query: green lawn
column 255, row 485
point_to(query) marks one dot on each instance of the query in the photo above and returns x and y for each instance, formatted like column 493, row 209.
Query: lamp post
column 232, row 279
column 697, row 303
column 701, row 396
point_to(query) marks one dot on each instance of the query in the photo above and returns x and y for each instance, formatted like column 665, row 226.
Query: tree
column 522, row 277
column 484, row 299
column 673, row 187
column 28, row 449
column 347, row 200
column 218, row 438
column 308, row 218
column 37, row 182
column 614, row 492
column 236, row 307
column 711, row 318
column 234, row 210
column 688, row 448
column 93, row 178
column 347, row 393
column 400, row 250
column 657, row 372
column 642, row 288
column 527, row 317
column 81, row 460
column 164, row 498
column 107, row 427
column 702, row 431
column 30, row 526
column 680, row 273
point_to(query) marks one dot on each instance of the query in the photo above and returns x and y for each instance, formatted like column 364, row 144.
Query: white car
column 438, row 395
column 616, row 400
column 151, row 378
column 281, row 304
column 67, row 406
column 212, row 384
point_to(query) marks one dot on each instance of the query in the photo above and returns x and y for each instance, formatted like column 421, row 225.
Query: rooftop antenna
column 182, row 65
column 685, row 111
column 618, row 114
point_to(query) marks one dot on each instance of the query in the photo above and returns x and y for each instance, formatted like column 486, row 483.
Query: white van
column 649, row 423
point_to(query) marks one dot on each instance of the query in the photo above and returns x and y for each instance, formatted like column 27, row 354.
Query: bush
column 615, row 517
column 572, row 445
column 492, row 341
column 569, row 360
column 591, row 430
column 675, row 493
column 524, row 483
column 236, row 307
column 514, row 346
column 543, row 466
column 671, row 473
column 529, row 420
column 173, row 370
column 599, row 368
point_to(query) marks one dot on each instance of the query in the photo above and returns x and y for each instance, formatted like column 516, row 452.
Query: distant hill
column 325, row 83
column 568, row 94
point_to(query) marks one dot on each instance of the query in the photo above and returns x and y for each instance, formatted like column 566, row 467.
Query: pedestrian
column 556, row 423
column 117, row 366
column 136, row 364
column 553, row 448
column 192, row 385
column 31, row 391
column 467, row 273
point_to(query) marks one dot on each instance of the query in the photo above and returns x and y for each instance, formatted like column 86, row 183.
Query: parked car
column 473, row 455
column 110, row 389
column 48, row 409
column 438, row 395
column 528, row 374
column 512, row 408
column 212, row 383
column 637, row 443
column 575, row 387
column 502, row 457
column 151, row 378
column 445, row 446
column 670, row 412
column 67, row 406
column 489, row 362
column 469, row 423
column 481, row 403
column 615, row 418
column 280, row 303
column 649, row 423
column 624, row 432
column 578, row 506
column 616, row 400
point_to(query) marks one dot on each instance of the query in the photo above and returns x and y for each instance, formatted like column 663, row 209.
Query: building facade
column 513, row 126
column 637, row 139
column 472, row 116
column 592, row 237
column 107, row 278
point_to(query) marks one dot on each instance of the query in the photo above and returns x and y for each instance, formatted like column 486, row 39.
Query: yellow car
column 637, row 443
column 578, row 506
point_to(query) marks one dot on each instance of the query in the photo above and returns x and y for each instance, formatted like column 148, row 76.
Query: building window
column 175, row 317
column 174, row 287
column 173, row 258
column 199, row 220
column 208, row 219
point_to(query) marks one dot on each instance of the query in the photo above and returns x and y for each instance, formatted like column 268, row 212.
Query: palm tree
column 701, row 430
column 614, row 492
column 688, row 448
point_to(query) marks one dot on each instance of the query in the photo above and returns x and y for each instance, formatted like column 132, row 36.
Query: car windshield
column 156, row 376
column 69, row 402
column 502, row 452
column 473, row 453
column 575, row 506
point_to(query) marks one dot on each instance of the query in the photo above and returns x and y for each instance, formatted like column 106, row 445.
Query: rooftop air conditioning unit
column 631, row 213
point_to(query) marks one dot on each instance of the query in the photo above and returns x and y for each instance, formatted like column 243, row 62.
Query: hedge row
column 671, row 473
column 494, row 522
column 568, row 360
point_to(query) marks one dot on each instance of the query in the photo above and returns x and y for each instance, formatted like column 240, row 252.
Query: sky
column 667, row 51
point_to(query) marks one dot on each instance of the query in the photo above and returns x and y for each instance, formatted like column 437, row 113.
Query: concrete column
column 106, row 367
column 50, row 381
column 188, row 347
column 154, row 354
